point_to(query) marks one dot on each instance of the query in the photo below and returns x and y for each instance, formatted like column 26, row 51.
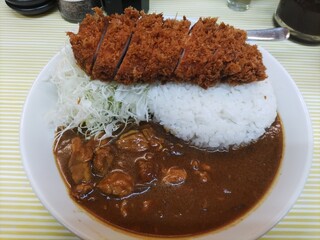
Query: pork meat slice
column 85, row 42
column 102, row 160
column 114, row 44
column 116, row 183
column 154, row 140
column 140, row 49
column 147, row 171
column 219, row 53
column 133, row 141
column 169, row 45
column 81, row 190
column 79, row 162
column 174, row 176
column 200, row 61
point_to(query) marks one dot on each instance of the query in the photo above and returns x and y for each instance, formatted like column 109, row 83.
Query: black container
column 302, row 17
column 31, row 7
column 118, row 6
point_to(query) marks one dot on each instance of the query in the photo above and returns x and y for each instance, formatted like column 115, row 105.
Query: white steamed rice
column 218, row 117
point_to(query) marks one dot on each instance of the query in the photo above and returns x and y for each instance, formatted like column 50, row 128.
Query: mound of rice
column 218, row 117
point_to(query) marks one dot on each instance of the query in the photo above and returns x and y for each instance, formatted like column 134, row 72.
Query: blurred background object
column 76, row 10
column 302, row 17
column 117, row 6
column 31, row 7
column 239, row 5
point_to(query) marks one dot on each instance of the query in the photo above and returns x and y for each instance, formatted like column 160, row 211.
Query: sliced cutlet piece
column 242, row 62
column 114, row 44
column 200, row 63
column 166, row 54
column 140, row 49
column 219, row 53
column 85, row 42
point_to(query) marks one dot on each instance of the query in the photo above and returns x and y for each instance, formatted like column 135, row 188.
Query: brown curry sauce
column 149, row 182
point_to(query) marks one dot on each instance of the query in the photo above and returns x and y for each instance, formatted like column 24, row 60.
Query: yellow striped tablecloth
column 28, row 43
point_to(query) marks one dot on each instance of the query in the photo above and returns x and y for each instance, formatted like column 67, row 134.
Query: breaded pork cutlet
column 114, row 44
column 169, row 45
column 242, row 62
column 164, row 51
column 140, row 49
column 85, row 42
column 219, row 53
column 201, row 60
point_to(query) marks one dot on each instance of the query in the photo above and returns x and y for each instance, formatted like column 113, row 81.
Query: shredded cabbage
column 96, row 108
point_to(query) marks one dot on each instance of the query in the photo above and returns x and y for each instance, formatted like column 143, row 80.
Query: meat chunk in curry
column 102, row 160
column 133, row 141
column 147, row 170
column 174, row 176
column 116, row 183
column 79, row 163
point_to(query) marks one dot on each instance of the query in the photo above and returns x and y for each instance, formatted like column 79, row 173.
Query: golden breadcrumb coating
column 113, row 46
column 135, row 47
column 85, row 42
column 140, row 49
column 219, row 53
column 169, row 45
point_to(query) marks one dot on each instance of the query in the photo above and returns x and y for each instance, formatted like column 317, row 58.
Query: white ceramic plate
column 36, row 148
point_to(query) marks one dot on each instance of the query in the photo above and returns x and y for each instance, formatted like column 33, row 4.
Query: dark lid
column 31, row 7
column 27, row 3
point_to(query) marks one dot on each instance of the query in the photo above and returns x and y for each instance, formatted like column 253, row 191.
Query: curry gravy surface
column 163, row 186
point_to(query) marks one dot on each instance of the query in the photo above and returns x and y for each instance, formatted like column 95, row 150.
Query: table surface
column 28, row 43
